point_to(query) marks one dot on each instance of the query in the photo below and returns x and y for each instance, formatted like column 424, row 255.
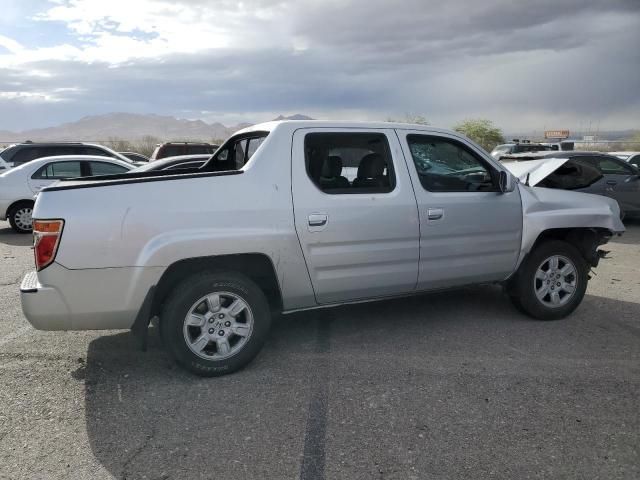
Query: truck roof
column 270, row 126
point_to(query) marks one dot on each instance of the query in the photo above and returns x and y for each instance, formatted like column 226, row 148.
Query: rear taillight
column 46, row 238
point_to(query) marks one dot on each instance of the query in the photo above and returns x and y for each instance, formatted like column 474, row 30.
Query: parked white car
column 19, row 185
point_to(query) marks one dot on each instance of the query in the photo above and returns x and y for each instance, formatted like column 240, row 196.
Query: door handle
column 611, row 182
column 435, row 213
column 318, row 219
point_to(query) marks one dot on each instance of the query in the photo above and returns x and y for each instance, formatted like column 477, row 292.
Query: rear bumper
column 58, row 298
column 43, row 306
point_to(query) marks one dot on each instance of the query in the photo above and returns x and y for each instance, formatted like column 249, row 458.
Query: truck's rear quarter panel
column 118, row 239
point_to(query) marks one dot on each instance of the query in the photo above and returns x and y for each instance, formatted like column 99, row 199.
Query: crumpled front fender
column 548, row 209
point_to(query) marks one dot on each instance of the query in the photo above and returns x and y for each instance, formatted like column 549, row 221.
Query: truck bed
column 140, row 177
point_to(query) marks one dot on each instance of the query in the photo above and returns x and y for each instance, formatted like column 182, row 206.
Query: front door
column 619, row 182
column 355, row 213
column 470, row 231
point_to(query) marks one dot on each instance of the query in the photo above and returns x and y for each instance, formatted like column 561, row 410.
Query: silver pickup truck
column 297, row 215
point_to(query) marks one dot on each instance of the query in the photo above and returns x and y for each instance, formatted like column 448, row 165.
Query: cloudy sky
column 526, row 65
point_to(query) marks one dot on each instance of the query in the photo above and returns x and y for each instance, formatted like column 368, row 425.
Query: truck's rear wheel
column 215, row 323
column 552, row 281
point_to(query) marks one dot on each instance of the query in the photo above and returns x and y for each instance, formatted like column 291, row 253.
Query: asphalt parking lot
column 448, row 385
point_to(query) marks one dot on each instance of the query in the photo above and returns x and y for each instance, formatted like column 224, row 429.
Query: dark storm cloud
column 521, row 65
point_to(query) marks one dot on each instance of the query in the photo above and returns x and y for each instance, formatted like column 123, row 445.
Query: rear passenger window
column 98, row 152
column 58, row 170
column 254, row 143
column 345, row 163
column 198, row 149
column 171, row 151
column 446, row 165
column 235, row 153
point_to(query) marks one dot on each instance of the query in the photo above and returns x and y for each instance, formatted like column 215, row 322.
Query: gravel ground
column 448, row 385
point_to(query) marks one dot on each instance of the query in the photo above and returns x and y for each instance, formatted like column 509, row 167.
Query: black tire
column 14, row 213
column 522, row 288
column 181, row 300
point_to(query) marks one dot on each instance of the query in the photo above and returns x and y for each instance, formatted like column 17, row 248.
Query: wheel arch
column 257, row 266
column 17, row 202
column 585, row 239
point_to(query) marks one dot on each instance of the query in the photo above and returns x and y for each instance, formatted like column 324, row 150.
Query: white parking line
column 13, row 335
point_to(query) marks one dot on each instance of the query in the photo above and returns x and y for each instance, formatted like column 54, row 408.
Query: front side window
column 614, row 166
column 103, row 168
column 445, row 165
column 58, row 171
column 635, row 160
column 347, row 163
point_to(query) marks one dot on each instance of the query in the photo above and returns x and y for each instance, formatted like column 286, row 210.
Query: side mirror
column 506, row 182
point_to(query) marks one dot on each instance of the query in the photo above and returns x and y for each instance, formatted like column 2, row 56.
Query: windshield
column 5, row 154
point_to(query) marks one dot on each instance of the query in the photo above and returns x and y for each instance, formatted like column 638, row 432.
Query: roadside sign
column 556, row 134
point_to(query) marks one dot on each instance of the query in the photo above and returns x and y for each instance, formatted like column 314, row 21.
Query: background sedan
column 19, row 185
column 590, row 172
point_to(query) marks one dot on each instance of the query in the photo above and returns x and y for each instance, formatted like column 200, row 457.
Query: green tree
column 481, row 131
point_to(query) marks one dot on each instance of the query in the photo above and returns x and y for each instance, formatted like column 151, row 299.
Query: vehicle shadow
column 9, row 237
column 147, row 418
column 631, row 236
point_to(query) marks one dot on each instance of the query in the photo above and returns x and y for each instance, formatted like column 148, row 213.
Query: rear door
column 53, row 171
column 470, row 231
column 355, row 213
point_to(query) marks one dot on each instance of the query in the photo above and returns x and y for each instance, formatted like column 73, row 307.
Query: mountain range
column 131, row 126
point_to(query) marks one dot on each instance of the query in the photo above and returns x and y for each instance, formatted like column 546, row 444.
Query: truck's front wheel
column 215, row 323
column 552, row 281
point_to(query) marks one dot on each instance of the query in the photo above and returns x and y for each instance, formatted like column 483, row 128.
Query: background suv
column 510, row 148
column 20, row 153
column 174, row 149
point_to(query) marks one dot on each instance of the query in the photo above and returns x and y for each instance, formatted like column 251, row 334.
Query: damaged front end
column 586, row 221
